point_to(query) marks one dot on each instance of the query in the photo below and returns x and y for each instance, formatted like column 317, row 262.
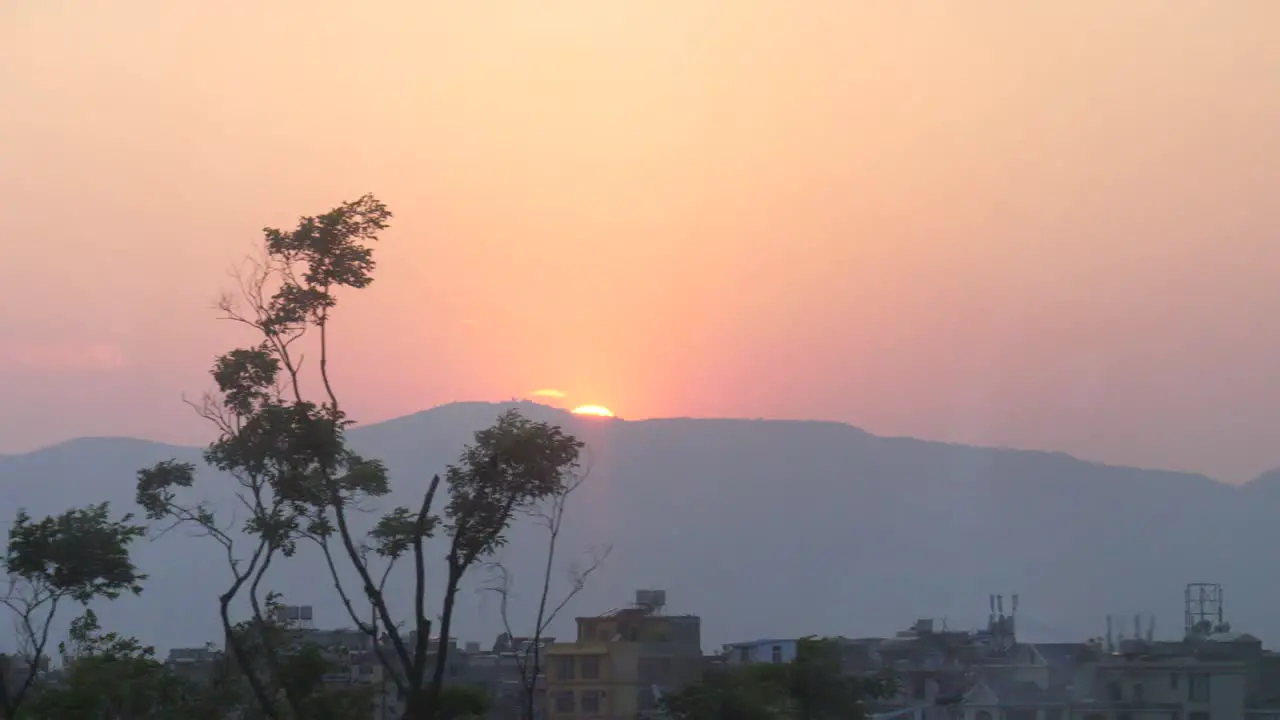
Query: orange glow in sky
column 596, row 410
column 1042, row 224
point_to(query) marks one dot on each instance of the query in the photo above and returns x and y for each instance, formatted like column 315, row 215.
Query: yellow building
column 621, row 663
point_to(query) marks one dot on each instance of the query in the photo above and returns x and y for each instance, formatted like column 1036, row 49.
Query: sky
column 1042, row 225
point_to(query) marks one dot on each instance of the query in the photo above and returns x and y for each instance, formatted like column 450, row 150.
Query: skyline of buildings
column 621, row 663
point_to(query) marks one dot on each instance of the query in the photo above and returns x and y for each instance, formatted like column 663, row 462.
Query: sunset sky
column 1043, row 224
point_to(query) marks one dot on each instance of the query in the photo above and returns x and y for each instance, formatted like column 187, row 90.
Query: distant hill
column 768, row 528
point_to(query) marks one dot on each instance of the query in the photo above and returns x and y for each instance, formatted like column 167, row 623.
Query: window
column 744, row 654
column 1139, row 692
column 564, row 667
column 1198, row 716
column 776, row 654
column 983, row 715
column 590, row 667
column 1124, row 716
column 564, row 702
column 1053, row 714
column 1198, row 688
column 591, row 702
column 1173, row 681
column 1114, row 691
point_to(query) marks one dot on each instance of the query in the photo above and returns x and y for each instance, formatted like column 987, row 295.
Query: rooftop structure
column 622, row 660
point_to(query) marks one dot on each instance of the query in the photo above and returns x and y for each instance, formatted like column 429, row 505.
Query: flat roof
column 765, row 641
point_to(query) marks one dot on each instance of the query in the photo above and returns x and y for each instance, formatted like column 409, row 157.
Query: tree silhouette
column 77, row 556
column 287, row 451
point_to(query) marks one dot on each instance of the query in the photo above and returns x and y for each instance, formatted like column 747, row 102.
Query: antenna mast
column 1203, row 606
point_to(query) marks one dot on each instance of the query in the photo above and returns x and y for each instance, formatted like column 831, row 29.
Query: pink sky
column 1042, row 224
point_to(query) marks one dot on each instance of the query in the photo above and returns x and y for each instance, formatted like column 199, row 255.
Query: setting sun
column 596, row 410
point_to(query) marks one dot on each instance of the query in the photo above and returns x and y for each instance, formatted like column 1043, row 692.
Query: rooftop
column 764, row 641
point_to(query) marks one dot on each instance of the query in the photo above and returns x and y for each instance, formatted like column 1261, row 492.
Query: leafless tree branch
column 550, row 515
column 34, row 609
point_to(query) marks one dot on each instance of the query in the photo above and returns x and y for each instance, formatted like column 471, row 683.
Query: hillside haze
column 765, row 528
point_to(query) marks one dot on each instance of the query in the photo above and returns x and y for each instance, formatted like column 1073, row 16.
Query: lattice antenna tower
column 1203, row 607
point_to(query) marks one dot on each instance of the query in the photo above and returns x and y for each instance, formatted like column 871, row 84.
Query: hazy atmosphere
column 526, row 359
column 1039, row 225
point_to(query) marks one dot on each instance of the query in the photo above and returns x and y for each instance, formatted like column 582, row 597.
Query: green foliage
column 155, row 488
column 288, row 453
column 820, row 690
column 279, row 652
column 107, row 675
column 111, row 676
column 811, row 687
column 462, row 701
column 750, row 692
column 331, row 248
column 510, row 466
column 81, row 554
column 395, row 532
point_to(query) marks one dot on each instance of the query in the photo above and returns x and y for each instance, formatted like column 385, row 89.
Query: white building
column 760, row 651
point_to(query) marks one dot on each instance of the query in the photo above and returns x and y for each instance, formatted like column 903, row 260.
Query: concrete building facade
column 760, row 651
column 621, row 664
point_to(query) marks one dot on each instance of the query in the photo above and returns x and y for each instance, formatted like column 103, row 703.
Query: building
column 353, row 658
column 1210, row 674
column 195, row 663
column 938, row 669
column 390, row 702
column 1150, row 685
column 622, row 662
column 760, row 651
column 14, row 670
column 504, row 674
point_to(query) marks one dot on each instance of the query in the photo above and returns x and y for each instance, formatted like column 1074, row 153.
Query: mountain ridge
column 765, row 527
column 1267, row 476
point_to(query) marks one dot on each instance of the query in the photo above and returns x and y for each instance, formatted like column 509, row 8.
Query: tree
column 748, row 692
column 300, row 481
column 285, row 454
column 77, row 556
column 462, row 701
column 820, row 690
column 811, row 687
column 109, row 676
column 510, row 468
column 267, row 524
column 548, row 514
column 279, row 652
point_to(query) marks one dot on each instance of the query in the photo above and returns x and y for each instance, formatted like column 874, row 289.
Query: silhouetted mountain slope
column 767, row 528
